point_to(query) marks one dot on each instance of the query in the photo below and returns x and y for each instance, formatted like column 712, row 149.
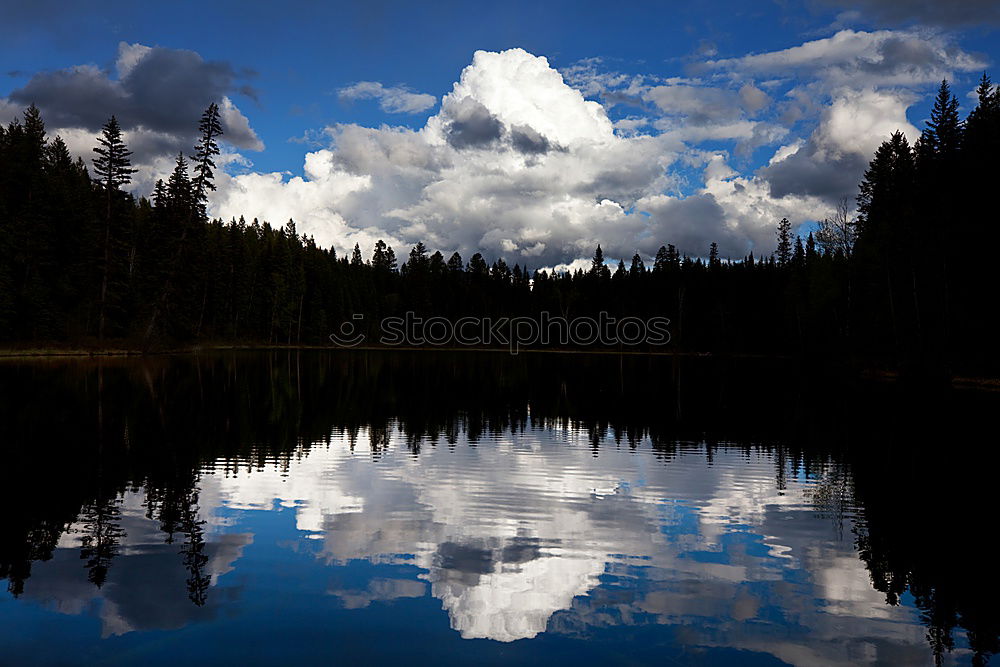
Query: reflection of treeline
column 78, row 435
column 81, row 260
column 923, row 482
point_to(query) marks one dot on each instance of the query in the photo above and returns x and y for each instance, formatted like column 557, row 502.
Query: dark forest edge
column 905, row 287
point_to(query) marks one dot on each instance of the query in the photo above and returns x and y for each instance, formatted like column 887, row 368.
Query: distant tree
column 436, row 264
column 784, row 233
column 798, row 252
column 380, row 257
column 597, row 267
column 455, row 263
column 839, row 232
column 180, row 194
column 477, row 266
column 356, row 259
column 638, row 267
column 662, row 260
column 713, row 255
column 620, row 272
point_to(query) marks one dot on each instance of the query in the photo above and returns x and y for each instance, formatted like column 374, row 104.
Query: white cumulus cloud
column 394, row 99
column 516, row 163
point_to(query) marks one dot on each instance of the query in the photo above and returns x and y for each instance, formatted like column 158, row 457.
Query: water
column 427, row 507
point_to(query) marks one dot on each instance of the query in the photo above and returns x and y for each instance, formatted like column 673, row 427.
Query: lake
column 435, row 507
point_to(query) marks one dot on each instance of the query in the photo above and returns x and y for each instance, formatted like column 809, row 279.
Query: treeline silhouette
column 906, row 283
column 154, row 425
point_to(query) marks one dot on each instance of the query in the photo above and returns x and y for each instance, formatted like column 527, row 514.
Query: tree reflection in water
column 901, row 471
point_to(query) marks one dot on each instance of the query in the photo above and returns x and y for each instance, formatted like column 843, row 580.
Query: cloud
column 546, row 567
column 527, row 140
column 699, row 105
column 925, row 12
column 396, row 99
column 518, row 162
column 861, row 59
column 158, row 96
column 854, row 89
column 471, row 124
column 753, row 98
column 827, row 165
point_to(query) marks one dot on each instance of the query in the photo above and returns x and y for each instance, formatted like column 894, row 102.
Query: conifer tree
column 597, row 266
column 180, row 194
column 784, row 232
column 942, row 136
column 713, row 255
column 112, row 169
column 638, row 267
column 662, row 260
column 210, row 128
column 113, row 164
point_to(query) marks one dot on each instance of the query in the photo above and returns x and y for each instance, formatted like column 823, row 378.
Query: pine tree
column 662, row 260
column 943, row 134
column 799, row 253
column 180, row 194
column 113, row 165
column 112, row 169
column 477, row 266
column 417, row 264
column 713, row 255
column 207, row 148
column 784, row 232
column 159, row 194
column 380, row 260
column 638, row 267
column 597, row 266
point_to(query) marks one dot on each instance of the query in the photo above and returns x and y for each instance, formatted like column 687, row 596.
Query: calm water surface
column 444, row 508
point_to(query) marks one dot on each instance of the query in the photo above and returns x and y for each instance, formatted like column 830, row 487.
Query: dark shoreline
column 871, row 373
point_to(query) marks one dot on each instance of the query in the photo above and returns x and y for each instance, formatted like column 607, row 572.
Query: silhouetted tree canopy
column 894, row 285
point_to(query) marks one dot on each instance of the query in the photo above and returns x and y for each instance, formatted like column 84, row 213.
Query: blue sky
column 702, row 96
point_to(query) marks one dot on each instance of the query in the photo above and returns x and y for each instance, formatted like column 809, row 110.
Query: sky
column 530, row 131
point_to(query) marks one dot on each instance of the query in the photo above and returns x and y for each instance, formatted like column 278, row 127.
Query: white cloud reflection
column 517, row 536
column 529, row 533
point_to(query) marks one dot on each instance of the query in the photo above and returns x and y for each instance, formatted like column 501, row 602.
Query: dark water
column 440, row 508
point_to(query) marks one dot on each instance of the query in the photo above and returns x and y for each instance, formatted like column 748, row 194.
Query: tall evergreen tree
column 113, row 164
column 784, row 233
column 638, row 267
column 210, row 128
column 112, row 169
column 943, row 134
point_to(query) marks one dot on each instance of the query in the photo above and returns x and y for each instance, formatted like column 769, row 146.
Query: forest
column 900, row 280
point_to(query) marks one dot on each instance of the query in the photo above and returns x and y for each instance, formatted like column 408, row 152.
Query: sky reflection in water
column 514, row 536
column 369, row 509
